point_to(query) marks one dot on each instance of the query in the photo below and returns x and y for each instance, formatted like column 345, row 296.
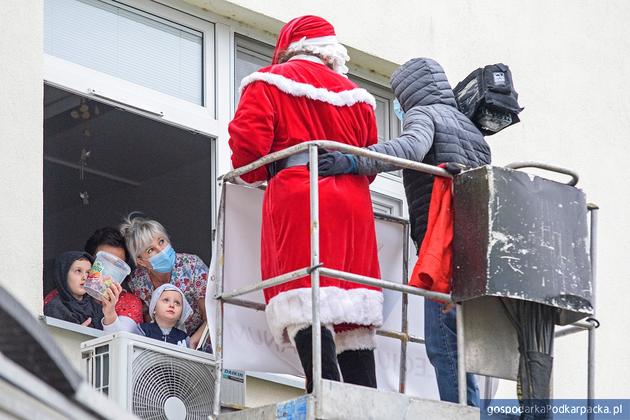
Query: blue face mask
column 398, row 110
column 163, row 261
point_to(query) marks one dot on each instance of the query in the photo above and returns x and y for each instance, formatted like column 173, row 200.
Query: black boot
column 304, row 345
column 358, row 367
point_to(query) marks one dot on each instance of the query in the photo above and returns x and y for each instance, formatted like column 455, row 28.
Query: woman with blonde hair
column 157, row 263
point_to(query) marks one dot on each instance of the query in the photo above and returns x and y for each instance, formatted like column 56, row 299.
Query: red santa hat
column 313, row 34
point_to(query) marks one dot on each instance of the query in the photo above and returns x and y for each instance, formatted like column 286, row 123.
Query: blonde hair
column 139, row 232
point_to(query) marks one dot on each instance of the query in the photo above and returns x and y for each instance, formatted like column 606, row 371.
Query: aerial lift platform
column 335, row 400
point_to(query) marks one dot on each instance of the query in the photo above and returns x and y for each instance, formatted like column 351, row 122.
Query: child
column 168, row 309
column 71, row 303
column 110, row 240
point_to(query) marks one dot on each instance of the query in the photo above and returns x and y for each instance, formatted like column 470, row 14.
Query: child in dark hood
column 72, row 304
column 168, row 309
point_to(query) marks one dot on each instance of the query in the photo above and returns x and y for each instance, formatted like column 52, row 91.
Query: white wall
column 21, row 116
column 569, row 59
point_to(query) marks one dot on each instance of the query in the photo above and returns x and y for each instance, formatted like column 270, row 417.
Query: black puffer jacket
column 434, row 132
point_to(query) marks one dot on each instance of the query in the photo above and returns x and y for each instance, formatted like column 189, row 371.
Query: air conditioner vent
column 166, row 387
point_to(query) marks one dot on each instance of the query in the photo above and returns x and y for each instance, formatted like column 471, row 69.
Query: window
column 250, row 56
column 388, row 124
column 137, row 53
column 128, row 44
column 102, row 162
column 389, row 127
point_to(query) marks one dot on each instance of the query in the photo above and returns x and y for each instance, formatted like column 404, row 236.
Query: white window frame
column 140, row 99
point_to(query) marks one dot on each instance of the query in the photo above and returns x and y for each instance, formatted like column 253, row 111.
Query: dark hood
column 65, row 306
column 421, row 81
column 62, row 265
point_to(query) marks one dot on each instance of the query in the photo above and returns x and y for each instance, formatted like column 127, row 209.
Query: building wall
column 569, row 59
column 21, row 148
column 261, row 392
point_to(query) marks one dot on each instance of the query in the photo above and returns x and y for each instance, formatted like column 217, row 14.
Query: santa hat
column 313, row 34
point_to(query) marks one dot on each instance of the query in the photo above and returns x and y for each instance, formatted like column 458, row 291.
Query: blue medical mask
column 163, row 261
column 398, row 110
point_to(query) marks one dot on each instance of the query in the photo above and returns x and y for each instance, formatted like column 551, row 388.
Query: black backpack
column 488, row 98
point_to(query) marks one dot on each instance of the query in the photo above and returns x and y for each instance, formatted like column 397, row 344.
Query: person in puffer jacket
column 434, row 132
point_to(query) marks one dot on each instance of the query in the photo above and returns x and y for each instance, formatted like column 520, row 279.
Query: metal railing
column 316, row 269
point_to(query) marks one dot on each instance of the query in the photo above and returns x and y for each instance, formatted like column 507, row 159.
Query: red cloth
column 128, row 305
column 278, row 109
column 301, row 27
column 131, row 306
column 434, row 268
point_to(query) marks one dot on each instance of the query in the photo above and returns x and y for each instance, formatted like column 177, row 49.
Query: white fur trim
column 321, row 40
column 337, row 306
column 356, row 339
column 343, row 98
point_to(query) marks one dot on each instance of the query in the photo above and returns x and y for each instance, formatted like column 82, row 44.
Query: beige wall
column 570, row 61
column 261, row 392
column 21, row 147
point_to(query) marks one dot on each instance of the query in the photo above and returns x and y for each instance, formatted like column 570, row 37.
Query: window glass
column 250, row 56
column 126, row 43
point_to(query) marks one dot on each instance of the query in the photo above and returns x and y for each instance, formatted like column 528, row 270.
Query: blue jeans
column 441, row 345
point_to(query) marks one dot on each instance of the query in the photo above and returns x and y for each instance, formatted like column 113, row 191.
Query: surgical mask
column 398, row 110
column 163, row 261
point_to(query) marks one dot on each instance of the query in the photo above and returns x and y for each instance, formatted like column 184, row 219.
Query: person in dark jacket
column 71, row 303
column 434, row 132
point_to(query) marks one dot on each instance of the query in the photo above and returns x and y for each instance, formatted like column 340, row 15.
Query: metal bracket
column 593, row 321
column 315, row 267
column 552, row 168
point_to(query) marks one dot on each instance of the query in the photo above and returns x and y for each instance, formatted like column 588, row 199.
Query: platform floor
column 345, row 401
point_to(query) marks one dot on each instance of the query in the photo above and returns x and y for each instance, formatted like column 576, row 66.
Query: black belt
column 299, row 159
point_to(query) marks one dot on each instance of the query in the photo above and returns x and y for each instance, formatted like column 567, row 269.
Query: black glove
column 336, row 163
column 454, row 168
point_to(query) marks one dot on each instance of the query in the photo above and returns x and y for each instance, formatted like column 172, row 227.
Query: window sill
column 69, row 326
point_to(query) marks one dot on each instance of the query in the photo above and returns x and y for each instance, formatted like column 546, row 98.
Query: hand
column 110, row 298
column 336, row 163
column 194, row 339
column 87, row 322
column 454, row 168
column 447, row 307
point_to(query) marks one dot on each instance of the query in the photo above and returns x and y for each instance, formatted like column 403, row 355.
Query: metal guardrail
column 316, row 269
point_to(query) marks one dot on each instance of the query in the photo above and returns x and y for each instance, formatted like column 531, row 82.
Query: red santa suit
column 283, row 105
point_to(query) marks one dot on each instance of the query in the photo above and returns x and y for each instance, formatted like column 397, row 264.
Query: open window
column 102, row 162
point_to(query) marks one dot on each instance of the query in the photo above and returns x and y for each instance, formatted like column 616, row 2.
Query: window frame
column 209, row 119
column 153, row 104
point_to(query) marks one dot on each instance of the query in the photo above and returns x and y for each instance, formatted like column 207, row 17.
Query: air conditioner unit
column 150, row 378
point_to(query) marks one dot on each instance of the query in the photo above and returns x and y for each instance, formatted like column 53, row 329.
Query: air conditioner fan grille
column 157, row 377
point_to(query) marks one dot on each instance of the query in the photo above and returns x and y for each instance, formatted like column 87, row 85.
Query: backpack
column 488, row 98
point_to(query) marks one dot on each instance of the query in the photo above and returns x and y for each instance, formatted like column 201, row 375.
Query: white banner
column 248, row 344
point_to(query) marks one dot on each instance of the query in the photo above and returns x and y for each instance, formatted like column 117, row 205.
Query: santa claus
column 304, row 95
